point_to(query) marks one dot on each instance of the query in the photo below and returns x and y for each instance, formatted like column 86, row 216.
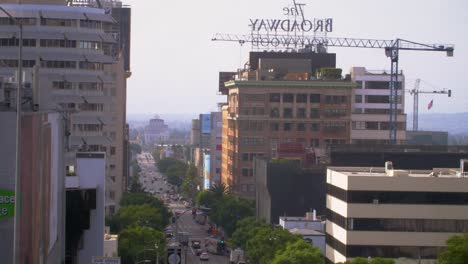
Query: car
column 196, row 244
column 204, row 256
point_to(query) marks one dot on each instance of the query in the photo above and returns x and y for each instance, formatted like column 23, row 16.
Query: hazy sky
column 175, row 64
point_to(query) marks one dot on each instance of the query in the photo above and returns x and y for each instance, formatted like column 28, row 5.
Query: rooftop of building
column 298, row 219
column 306, row 232
column 293, row 83
column 381, row 172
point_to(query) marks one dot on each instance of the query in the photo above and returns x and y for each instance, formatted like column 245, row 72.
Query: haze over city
column 179, row 75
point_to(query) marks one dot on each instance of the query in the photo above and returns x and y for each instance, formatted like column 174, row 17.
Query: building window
column 301, row 127
column 112, row 151
column 274, row 112
column 301, row 113
column 91, row 45
column 275, row 97
column 274, row 126
column 315, row 98
column 314, row 113
column 315, row 127
column 301, row 98
column 58, row 43
column 92, row 66
column 358, row 98
column 112, row 195
column 59, row 64
column 359, row 125
column 244, row 187
column 62, row 85
column 372, row 125
column 14, row 42
column 314, row 142
column 287, row 113
column 52, row 22
column 288, row 98
column 287, row 127
column 245, row 156
column 90, row 24
column 251, row 188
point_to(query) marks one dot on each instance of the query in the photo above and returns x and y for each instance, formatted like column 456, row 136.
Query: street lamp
column 19, row 23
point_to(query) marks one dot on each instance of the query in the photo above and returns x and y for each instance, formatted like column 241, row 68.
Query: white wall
column 92, row 173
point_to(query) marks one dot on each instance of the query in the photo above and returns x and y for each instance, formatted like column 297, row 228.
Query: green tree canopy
column 140, row 215
column 141, row 198
column 135, row 148
column 205, row 198
column 190, row 182
column 456, row 251
column 229, row 210
column 361, row 260
column 137, row 243
column 299, row 252
column 246, row 229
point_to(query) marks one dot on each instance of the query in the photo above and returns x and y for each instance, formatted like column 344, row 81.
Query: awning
column 100, row 17
column 90, row 140
column 99, row 58
column 20, row 13
column 108, row 38
column 61, row 14
column 52, row 56
column 43, row 35
column 82, row 36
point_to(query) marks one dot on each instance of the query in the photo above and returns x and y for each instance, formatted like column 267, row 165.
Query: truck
column 237, row 256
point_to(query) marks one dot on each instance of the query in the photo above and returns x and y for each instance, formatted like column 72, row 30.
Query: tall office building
column 281, row 98
column 79, row 71
column 407, row 215
column 371, row 107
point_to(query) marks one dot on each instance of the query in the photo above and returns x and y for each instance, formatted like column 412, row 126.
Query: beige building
column 80, row 72
column 371, row 107
column 382, row 212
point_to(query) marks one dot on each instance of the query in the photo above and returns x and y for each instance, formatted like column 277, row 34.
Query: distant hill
column 455, row 124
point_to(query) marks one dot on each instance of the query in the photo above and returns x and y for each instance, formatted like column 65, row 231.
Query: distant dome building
column 156, row 132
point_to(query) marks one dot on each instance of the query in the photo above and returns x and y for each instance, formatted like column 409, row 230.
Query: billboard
column 7, row 204
column 206, row 172
column 206, row 123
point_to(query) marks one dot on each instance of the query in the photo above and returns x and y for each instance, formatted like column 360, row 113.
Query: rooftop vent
column 389, row 171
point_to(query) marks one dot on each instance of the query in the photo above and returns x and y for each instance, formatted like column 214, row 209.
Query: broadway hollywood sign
column 298, row 24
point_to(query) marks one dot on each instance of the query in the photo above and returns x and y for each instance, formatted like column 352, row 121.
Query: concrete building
column 371, row 107
column 309, row 227
column 206, row 149
column 282, row 100
column 156, row 132
column 77, row 71
column 41, row 231
column 403, row 214
column 86, row 189
column 439, row 138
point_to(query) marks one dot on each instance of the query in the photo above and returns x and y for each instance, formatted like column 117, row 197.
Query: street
column 155, row 183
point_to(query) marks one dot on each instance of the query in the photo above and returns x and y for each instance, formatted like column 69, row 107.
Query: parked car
column 204, row 256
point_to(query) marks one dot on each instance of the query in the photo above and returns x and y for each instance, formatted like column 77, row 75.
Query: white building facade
column 404, row 215
column 371, row 107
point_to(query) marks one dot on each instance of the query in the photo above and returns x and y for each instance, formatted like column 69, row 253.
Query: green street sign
column 7, row 204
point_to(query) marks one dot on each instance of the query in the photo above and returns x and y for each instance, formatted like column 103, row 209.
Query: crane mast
column 415, row 93
column 320, row 44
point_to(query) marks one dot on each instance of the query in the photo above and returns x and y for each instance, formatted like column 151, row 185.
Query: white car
column 204, row 256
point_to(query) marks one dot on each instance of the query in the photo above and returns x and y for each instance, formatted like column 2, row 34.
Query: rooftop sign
column 290, row 31
column 295, row 21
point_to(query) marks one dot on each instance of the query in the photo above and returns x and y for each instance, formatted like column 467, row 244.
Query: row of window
column 313, row 142
column 398, row 197
column 354, row 251
column 304, row 98
column 373, row 125
column 251, row 141
column 248, row 188
column 334, row 126
column 376, row 99
column 87, row 127
column 379, row 85
column 398, row 225
column 52, row 43
column 313, row 113
column 250, row 156
column 375, row 111
column 83, row 107
column 56, row 22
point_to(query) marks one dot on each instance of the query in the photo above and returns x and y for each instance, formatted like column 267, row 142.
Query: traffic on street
column 189, row 229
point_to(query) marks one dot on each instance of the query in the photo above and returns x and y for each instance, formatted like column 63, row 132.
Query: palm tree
column 219, row 190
